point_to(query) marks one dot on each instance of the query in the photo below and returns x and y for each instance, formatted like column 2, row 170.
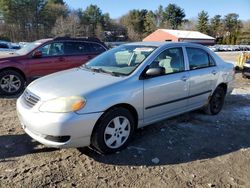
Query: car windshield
column 28, row 48
column 122, row 60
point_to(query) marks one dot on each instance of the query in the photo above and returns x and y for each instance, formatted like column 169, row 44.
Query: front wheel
column 113, row 131
column 216, row 102
column 11, row 82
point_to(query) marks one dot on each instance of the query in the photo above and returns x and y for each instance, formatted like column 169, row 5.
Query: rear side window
column 76, row 48
column 199, row 58
column 211, row 61
column 97, row 48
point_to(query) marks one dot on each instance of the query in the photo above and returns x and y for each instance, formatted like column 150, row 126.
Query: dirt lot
column 191, row 150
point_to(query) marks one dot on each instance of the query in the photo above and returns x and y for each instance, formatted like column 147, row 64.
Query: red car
column 44, row 57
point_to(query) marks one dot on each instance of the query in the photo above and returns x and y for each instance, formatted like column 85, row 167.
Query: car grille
column 30, row 99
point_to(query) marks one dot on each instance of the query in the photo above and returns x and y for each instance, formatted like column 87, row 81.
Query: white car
column 8, row 47
column 128, row 87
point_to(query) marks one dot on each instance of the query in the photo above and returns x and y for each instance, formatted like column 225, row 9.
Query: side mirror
column 152, row 72
column 37, row 54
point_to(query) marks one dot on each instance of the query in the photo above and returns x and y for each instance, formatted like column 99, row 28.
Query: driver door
column 166, row 95
column 52, row 60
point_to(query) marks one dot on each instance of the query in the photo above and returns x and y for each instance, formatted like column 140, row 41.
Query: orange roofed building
column 161, row 35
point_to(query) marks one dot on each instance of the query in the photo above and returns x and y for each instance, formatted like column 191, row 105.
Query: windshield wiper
column 103, row 71
column 98, row 70
column 118, row 74
column 84, row 66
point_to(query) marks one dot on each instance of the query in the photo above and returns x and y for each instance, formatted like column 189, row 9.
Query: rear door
column 52, row 60
column 203, row 76
column 166, row 95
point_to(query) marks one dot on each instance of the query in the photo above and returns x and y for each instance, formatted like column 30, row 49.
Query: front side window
column 52, row 49
column 198, row 58
column 171, row 60
column 122, row 60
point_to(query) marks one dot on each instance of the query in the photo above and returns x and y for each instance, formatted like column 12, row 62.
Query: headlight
column 63, row 104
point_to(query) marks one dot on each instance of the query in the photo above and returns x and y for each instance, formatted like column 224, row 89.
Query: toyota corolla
column 102, row 102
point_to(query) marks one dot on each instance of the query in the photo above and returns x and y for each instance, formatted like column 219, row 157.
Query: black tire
column 216, row 102
column 245, row 77
column 98, row 135
column 18, row 80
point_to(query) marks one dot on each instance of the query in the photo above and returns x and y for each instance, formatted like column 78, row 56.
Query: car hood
column 7, row 56
column 73, row 82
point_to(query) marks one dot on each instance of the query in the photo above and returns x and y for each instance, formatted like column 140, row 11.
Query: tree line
column 28, row 20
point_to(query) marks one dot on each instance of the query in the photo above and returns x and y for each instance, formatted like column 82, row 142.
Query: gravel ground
column 191, row 150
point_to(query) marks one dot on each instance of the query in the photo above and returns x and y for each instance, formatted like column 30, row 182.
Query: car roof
column 83, row 39
column 43, row 40
column 156, row 44
column 161, row 44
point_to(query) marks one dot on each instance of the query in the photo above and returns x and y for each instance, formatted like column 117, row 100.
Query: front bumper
column 41, row 125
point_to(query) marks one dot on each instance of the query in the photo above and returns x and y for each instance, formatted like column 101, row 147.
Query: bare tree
column 69, row 26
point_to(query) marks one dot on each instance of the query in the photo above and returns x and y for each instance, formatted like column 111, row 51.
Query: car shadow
column 166, row 149
column 19, row 145
column 190, row 137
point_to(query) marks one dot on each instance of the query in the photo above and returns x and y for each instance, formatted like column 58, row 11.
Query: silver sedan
column 102, row 102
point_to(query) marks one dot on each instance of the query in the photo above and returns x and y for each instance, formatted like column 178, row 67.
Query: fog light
column 60, row 139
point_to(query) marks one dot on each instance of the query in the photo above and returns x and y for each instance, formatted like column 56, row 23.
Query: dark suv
column 44, row 57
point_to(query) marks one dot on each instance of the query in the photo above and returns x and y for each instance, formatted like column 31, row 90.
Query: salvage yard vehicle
column 128, row 87
column 44, row 57
column 8, row 47
column 246, row 69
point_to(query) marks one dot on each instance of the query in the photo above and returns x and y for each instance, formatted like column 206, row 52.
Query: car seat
column 166, row 63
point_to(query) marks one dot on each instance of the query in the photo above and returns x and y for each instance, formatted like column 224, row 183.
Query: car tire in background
column 113, row 131
column 216, row 102
column 11, row 82
column 245, row 77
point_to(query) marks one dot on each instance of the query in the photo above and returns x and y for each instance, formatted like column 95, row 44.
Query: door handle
column 184, row 78
column 214, row 72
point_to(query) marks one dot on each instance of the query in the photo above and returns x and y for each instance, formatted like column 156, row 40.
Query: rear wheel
column 113, row 131
column 216, row 102
column 11, row 82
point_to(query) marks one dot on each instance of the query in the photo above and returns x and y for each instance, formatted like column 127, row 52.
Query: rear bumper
column 44, row 126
